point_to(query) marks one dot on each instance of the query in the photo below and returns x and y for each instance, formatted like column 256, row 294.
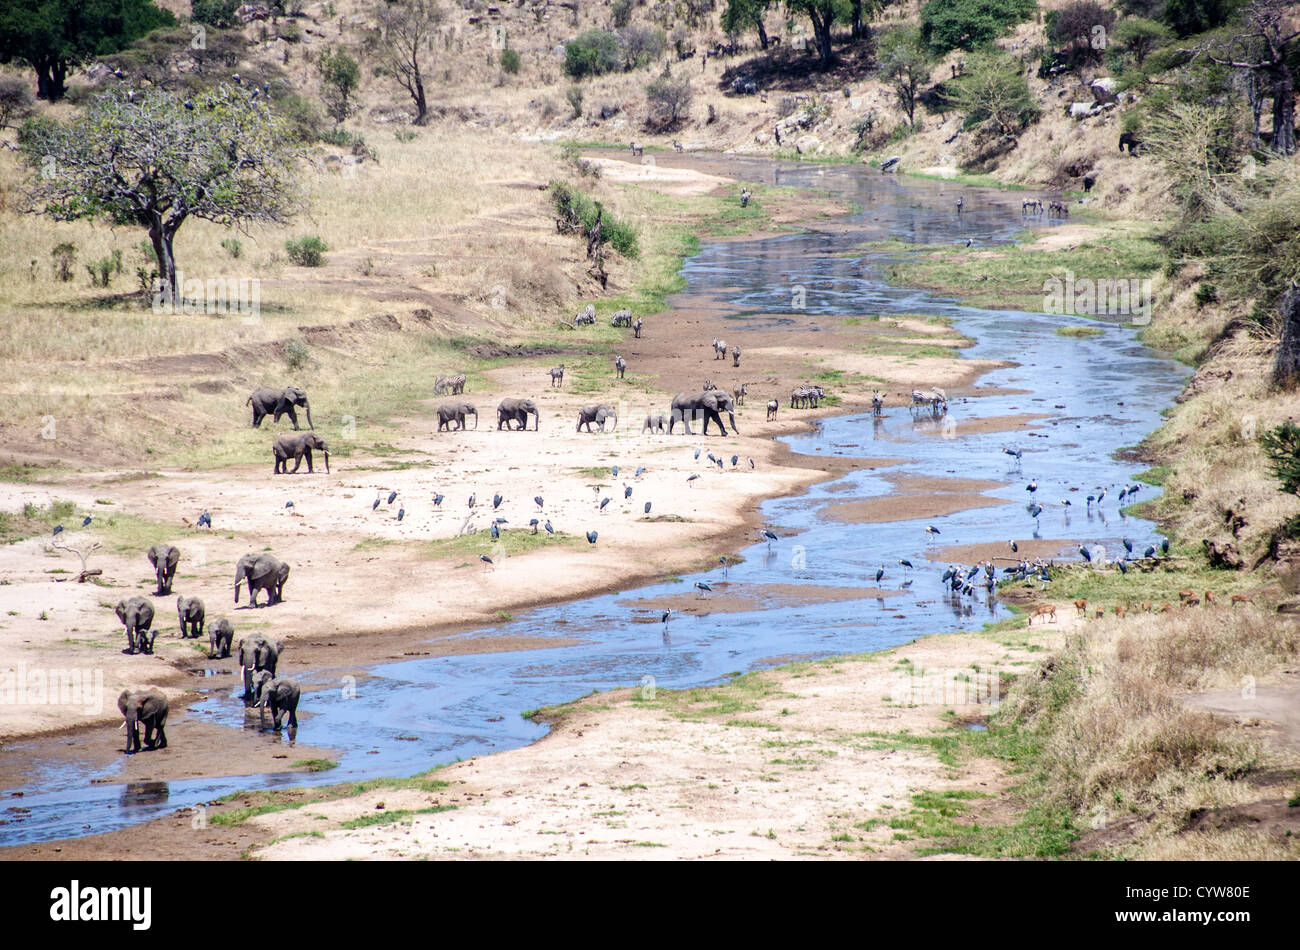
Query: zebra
column 719, row 349
column 620, row 365
column 557, row 375
column 636, row 149
column 735, row 357
column 772, row 407
column 739, row 393
column 708, row 385
column 621, row 318
column 587, row 316
column 877, row 402
column 636, row 328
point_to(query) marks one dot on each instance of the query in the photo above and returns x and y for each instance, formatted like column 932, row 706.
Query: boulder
column 1103, row 90
column 808, row 145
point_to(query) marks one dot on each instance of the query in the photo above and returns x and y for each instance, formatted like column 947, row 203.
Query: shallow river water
column 409, row 716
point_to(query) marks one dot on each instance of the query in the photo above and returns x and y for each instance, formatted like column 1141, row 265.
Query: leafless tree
column 408, row 29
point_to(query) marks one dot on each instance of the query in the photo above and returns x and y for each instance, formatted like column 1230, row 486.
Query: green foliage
column 1188, row 17
column 306, row 251
column 994, row 95
column 340, row 76
column 55, row 36
column 905, row 65
column 509, row 61
column 621, row 11
column 296, row 354
column 641, row 45
column 1080, row 28
column 218, row 13
column 233, row 247
column 741, row 15
column 62, row 256
column 970, row 24
column 105, row 269
column 15, row 100
column 1282, row 447
column 1196, row 145
column 571, row 204
column 592, row 53
column 574, row 97
column 1137, row 37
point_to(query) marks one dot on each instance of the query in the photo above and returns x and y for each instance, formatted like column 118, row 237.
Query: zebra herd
column 806, row 397
column 1034, row 206
column 455, row 383
column 935, row 399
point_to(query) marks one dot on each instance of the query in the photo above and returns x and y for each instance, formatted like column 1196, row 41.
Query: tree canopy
column 55, row 36
column 150, row 159
column 969, row 24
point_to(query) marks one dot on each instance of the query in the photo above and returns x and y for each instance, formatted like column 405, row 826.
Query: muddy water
column 1098, row 394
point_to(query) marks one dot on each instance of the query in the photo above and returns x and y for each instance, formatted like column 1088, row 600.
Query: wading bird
column 205, row 520
column 769, row 536
column 496, row 501
column 1087, row 555
column 603, row 503
column 1032, row 486
column 288, row 504
column 538, row 499
column 487, row 561
column 692, row 478
column 640, row 470
column 614, row 471
column 375, row 506
column 904, row 562
column 1128, row 545
column 471, row 500
column 392, row 496
column 931, row 530
column 533, row 524
column 735, row 460
column 496, row 531
column 437, row 500
column 547, row 526
column 591, row 537
column 880, row 573
column 1014, row 547
column 647, row 507
column 58, row 528
column 627, row 491
column 401, row 513
column 89, row 518
column 703, row 588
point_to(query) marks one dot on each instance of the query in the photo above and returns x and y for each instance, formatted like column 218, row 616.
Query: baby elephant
column 190, row 611
column 456, row 412
column 147, row 708
column 280, row 694
column 655, row 423
column 598, row 414
column 220, row 635
column 772, row 406
column 136, row 615
column 297, row 445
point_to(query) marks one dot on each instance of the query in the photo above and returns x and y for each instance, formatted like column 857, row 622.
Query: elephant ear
column 123, row 700
column 153, row 556
column 120, row 610
column 173, row 556
column 279, row 646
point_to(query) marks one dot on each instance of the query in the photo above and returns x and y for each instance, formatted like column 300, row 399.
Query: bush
column 670, row 98
column 509, row 61
column 572, row 205
column 340, row 76
column 302, row 117
column 1076, row 28
column 641, row 45
column 574, row 96
column 63, row 254
column 233, row 247
column 995, row 95
column 15, row 100
column 621, row 11
column 592, row 53
column 969, row 24
column 308, row 251
column 218, row 13
column 1138, row 37
column 296, row 354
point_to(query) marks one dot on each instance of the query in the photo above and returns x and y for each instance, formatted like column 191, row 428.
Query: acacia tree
column 55, row 36
column 746, row 14
column 148, row 159
column 905, row 66
column 1262, row 47
column 824, row 14
column 407, row 32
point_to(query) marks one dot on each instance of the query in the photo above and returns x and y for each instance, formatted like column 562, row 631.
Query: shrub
column 592, row 53
column 995, row 95
column 296, row 354
column 105, row 269
column 1075, row 27
column 232, row 246
column 307, row 251
column 218, row 13
column 572, row 205
column 621, row 11
column 574, row 96
column 670, row 98
column 63, row 254
column 1137, row 37
column 340, row 76
column 15, row 100
column 969, row 24
column 509, row 61
column 641, row 45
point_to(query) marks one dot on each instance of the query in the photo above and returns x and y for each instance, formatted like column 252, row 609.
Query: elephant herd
column 298, row 445
column 258, row 656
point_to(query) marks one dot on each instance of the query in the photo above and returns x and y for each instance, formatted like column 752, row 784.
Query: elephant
column 297, row 446
column 257, row 652
column 589, row 414
column 164, row 558
column 708, row 405
column 263, row 572
column 450, row 412
column 518, row 410
column 147, row 707
column 278, row 402
column 190, row 611
column 137, row 615
column 280, row 694
column 655, row 423
column 220, row 636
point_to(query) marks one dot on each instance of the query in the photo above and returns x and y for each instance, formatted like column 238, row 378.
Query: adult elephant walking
column 287, row 446
column 598, row 414
column 136, row 615
column 148, row 708
column 262, row 572
column 707, row 405
column 456, row 412
column 518, row 410
column 257, row 654
column 164, row 558
column 278, row 402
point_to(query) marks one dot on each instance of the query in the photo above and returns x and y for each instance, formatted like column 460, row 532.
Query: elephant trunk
column 307, row 408
column 614, row 416
column 476, row 419
column 326, row 453
column 732, row 417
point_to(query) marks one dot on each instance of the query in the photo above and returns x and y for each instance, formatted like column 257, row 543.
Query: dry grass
column 1114, row 739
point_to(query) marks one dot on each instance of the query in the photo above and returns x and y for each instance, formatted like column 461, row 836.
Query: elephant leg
column 297, row 464
column 292, row 417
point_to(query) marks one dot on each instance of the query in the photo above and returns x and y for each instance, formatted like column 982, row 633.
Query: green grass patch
column 274, row 800
column 1078, row 332
column 314, row 765
column 392, row 817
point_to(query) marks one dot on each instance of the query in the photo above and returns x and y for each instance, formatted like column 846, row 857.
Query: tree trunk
column 161, row 237
column 421, row 105
column 857, row 19
column 1286, row 370
column 1256, row 104
column 762, row 33
column 822, row 34
column 1284, row 111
